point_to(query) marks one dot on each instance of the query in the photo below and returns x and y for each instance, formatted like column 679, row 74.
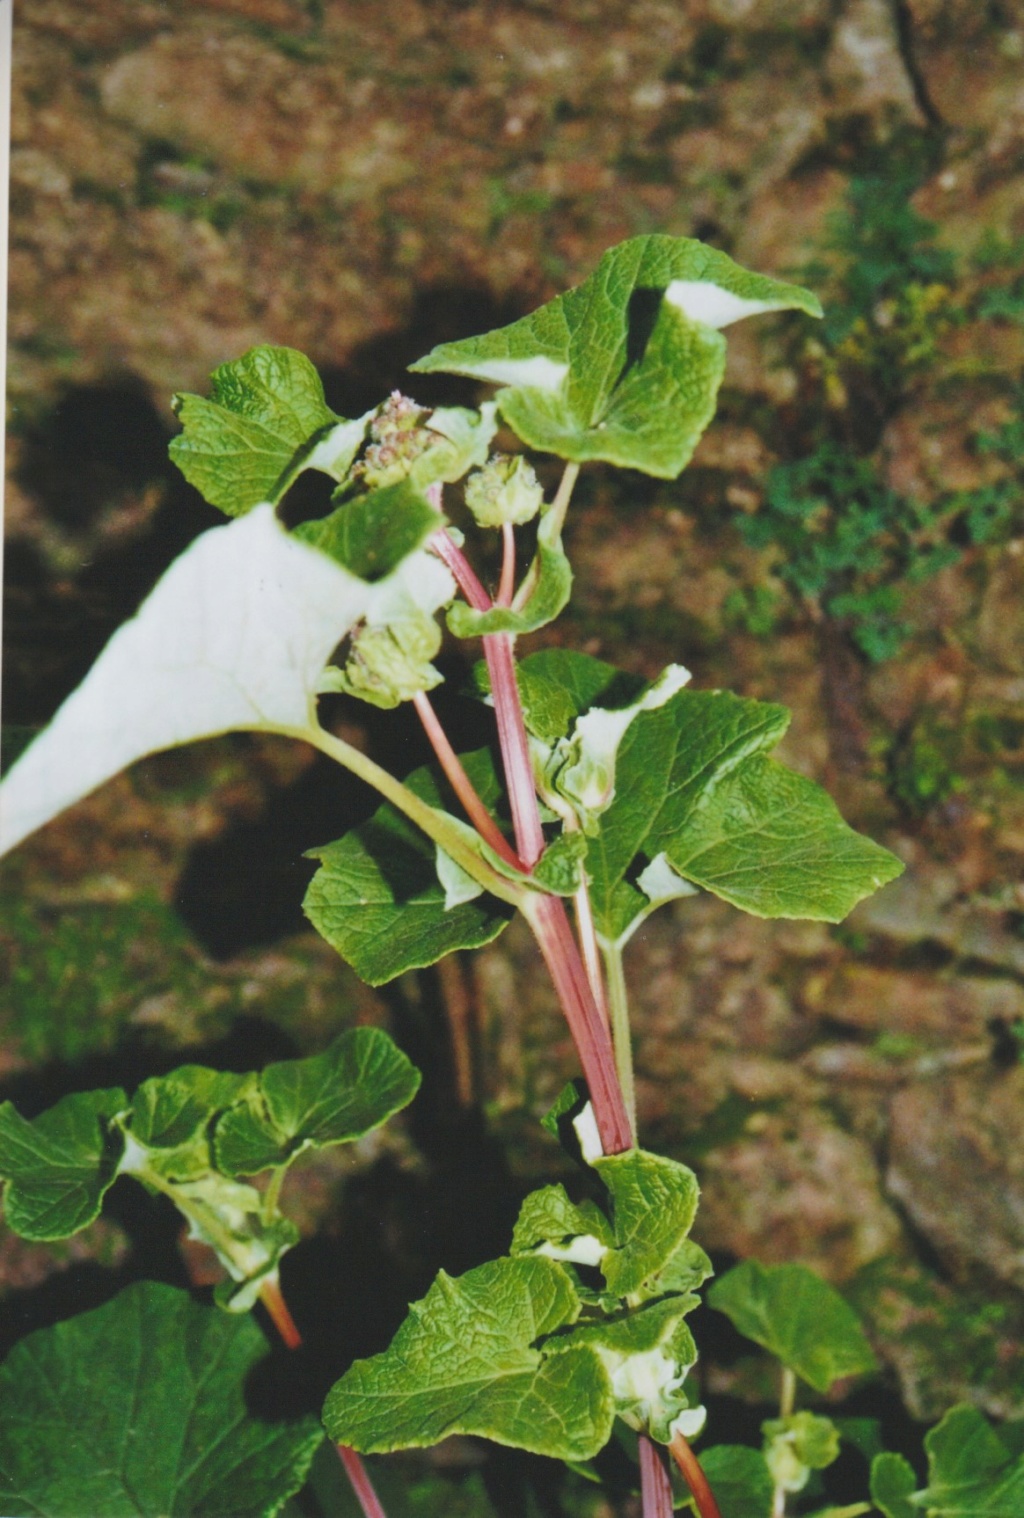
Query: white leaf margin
column 233, row 637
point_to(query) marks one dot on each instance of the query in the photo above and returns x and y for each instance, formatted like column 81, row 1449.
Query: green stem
column 787, row 1393
column 559, row 507
column 272, row 1195
column 550, row 923
column 787, row 1402
column 440, row 828
column 618, row 1008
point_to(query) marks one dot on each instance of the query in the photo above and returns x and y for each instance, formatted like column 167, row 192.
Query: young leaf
column 463, row 441
column 228, row 1216
column 377, row 898
column 797, row 1317
column 556, row 685
column 330, row 1098
column 971, row 1473
column 550, row 1224
column 58, row 1167
column 139, row 1408
column 172, row 1115
column 893, row 1483
column 549, row 597
column 464, row 1361
column 234, row 636
column 581, row 768
column 693, row 784
column 797, row 1445
column 560, row 868
column 654, row 1202
column 647, row 1355
column 266, row 422
column 626, row 366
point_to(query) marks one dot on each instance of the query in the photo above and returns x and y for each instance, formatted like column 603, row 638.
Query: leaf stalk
column 273, row 1300
column 694, row 1477
column 441, row 829
column 461, row 784
column 618, row 1007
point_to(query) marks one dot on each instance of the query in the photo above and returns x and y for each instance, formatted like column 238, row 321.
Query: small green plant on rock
column 621, row 796
column 844, row 542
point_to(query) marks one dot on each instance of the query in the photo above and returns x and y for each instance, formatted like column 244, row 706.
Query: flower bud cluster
column 398, row 439
column 390, row 664
column 506, row 489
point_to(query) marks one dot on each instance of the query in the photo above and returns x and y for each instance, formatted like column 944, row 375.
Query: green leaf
column 647, row 1354
column 464, row 439
column 693, row 784
column 773, row 843
column 267, row 420
column 560, row 867
column 171, row 1115
column 234, row 636
column 373, row 533
column 58, row 1167
column 549, row 597
column 377, row 898
column 139, row 1408
column 686, row 1270
column 556, row 685
column 971, row 1473
column 625, row 367
column 893, row 1482
column 330, row 1098
column 654, row 1202
column 550, row 1224
column 797, row 1317
column 464, row 1361
column 739, row 1479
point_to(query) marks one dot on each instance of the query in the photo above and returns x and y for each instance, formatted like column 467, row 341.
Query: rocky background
column 364, row 181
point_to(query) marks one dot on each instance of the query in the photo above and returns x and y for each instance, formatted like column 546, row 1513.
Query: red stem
column 587, row 936
column 461, row 784
column 462, row 569
column 273, row 1300
column 695, row 1478
column 507, row 583
column 515, row 749
column 277, row 1309
column 547, row 916
column 550, row 923
column 655, row 1487
column 356, row 1472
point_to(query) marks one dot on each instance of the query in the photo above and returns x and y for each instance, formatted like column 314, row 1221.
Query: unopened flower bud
column 506, row 489
column 390, row 664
